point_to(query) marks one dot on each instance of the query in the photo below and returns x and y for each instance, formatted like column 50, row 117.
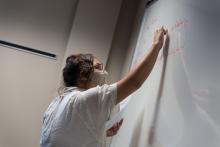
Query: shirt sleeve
column 107, row 95
column 96, row 103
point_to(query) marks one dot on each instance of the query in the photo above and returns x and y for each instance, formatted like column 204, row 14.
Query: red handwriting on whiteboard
column 179, row 23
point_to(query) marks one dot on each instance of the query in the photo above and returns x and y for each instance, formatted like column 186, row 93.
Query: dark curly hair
column 78, row 69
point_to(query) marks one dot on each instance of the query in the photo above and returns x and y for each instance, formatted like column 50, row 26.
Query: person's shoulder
column 98, row 90
column 106, row 88
column 70, row 94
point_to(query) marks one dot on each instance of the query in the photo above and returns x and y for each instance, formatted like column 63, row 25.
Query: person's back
column 79, row 113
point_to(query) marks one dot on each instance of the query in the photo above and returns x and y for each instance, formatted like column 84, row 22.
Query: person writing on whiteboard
column 76, row 118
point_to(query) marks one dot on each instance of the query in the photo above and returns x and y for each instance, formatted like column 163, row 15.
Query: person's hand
column 114, row 129
column 159, row 37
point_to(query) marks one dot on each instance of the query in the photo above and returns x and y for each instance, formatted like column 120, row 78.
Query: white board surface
column 181, row 97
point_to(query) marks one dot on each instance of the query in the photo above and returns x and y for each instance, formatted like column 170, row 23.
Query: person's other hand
column 114, row 129
column 159, row 37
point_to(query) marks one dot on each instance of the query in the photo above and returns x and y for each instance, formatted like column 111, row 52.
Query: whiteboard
column 178, row 105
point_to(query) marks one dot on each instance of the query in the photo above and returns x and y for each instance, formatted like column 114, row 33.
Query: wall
column 93, row 28
column 28, row 82
column 121, row 39
column 133, row 38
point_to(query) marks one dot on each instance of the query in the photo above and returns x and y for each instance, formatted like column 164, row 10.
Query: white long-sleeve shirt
column 78, row 119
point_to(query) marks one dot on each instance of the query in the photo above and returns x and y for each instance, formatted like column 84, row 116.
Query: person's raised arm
column 136, row 77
